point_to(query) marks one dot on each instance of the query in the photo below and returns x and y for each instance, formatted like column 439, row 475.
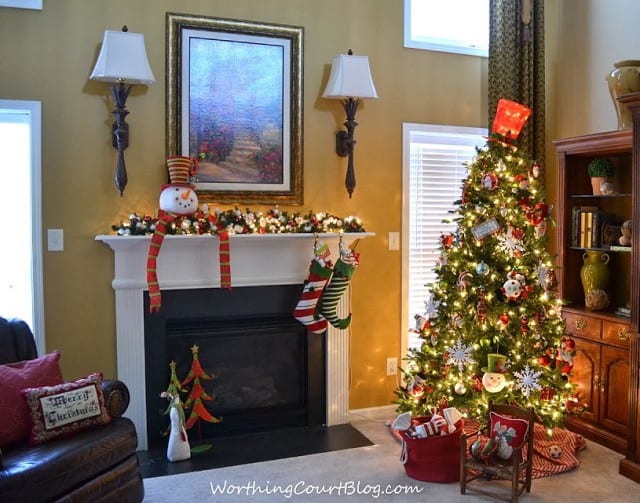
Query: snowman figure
column 178, row 198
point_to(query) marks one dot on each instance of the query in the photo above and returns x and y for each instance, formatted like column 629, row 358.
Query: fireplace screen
column 267, row 370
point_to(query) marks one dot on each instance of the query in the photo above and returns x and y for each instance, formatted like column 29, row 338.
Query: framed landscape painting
column 234, row 103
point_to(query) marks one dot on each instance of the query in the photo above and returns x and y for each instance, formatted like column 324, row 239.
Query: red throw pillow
column 14, row 377
column 65, row 408
column 508, row 433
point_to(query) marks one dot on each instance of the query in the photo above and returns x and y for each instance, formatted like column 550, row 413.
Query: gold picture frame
column 234, row 102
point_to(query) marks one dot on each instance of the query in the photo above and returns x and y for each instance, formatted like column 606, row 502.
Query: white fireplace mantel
column 187, row 262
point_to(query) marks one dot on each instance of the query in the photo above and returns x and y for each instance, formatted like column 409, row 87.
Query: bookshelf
column 586, row 221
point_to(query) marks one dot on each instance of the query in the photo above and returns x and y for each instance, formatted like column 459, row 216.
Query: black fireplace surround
column 267, row 370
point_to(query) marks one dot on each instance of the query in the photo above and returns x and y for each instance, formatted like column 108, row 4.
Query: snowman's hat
column 180, row 169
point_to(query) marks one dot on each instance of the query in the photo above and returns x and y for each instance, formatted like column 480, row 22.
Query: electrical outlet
column 55, row 240
column 394, row 241
column 392, row 366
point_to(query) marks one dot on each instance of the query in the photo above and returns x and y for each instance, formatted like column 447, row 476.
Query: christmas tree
column 197, row 393
column 174, row 388
column 491, row 329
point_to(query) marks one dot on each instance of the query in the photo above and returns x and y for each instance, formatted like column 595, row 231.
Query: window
column 21, row 254
column 434, row 166
column 459, row 26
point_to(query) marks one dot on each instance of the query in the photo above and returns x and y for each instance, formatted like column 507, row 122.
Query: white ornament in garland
column 527, row 380
column 460, row 355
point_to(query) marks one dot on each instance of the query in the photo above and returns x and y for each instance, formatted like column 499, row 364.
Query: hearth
column 268, row 370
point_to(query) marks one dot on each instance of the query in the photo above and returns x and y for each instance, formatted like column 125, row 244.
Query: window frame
column 33, row 109
column 408, row 129
column 456, row 46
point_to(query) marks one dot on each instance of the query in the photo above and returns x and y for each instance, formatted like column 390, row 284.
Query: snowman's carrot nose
column 185, row 195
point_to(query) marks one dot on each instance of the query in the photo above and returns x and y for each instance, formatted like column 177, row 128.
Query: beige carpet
column 368, row 474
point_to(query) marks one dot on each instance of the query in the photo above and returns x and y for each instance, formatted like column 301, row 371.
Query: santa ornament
column 178, row 198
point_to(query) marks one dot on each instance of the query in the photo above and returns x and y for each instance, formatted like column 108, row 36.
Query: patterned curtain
column 516, row 66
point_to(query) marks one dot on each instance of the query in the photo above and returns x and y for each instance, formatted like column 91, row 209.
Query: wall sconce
column 123, row 62
column 350, row 80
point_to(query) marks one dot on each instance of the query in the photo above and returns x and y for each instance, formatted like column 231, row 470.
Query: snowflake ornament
column 431, row 307
column 460, row 355
column 528, row 380
column 508, row 243
column 542, row 271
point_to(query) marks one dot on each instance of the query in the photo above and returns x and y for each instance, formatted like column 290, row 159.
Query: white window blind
column 434, row 169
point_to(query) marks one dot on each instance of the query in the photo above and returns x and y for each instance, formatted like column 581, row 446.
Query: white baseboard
column 382, row 412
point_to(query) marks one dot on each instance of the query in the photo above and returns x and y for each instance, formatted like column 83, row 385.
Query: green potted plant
column 601, row 169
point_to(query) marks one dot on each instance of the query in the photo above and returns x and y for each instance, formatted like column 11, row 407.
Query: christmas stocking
column 319, row 273
column 342, row 273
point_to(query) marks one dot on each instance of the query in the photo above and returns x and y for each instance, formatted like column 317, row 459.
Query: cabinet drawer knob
column 623, row 333
column 580, row 323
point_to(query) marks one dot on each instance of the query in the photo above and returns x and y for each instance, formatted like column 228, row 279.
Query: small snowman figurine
column 178, row 198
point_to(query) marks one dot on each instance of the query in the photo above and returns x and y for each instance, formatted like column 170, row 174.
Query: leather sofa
column 94, row 464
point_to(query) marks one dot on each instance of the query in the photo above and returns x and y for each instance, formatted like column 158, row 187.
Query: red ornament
column 547, row 393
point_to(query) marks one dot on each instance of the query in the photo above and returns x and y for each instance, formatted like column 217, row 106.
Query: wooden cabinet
column 605, row 364
column 601, row 370
column 601, row 375
column 630, row 465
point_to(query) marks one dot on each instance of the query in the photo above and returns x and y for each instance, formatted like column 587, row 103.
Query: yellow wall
column 47, row 55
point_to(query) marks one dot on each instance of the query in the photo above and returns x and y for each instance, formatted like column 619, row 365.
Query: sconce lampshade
column 123, row 58
column 510, row 118
column 350, row 78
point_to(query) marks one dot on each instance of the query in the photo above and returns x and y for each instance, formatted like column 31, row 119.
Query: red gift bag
column 432, row 459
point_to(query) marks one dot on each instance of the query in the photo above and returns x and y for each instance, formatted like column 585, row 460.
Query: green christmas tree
column 197, row 393
column 492, row 329
column 174, row 388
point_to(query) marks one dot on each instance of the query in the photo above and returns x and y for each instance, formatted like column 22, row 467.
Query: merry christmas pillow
column 65, row 408
column 508, row 433
column 14, row 416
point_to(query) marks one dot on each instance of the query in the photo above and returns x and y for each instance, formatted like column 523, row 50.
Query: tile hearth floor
column 254, row 447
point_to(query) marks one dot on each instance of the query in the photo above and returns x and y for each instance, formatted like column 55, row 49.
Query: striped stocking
column 305, row 311
column 342, row 273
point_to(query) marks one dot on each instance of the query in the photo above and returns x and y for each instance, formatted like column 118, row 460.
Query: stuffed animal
column 625, row 239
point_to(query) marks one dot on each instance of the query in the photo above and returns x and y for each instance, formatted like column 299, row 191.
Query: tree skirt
column 544, row 464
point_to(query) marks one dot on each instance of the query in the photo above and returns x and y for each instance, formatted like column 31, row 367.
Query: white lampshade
column 123, row 58
column 350, row 78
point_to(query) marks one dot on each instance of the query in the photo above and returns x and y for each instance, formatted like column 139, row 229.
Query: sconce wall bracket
column 120, row 132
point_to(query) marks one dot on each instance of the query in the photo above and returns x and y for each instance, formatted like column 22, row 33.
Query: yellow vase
column 623, row 79
column 594, row 275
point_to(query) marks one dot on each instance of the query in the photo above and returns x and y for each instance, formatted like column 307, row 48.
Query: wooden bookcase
column 602, row 362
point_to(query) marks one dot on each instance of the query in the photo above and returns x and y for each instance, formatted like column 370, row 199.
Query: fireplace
column 189, row 264
column 267, row 370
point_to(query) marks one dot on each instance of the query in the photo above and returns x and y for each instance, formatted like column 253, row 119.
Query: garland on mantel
column 235, row 221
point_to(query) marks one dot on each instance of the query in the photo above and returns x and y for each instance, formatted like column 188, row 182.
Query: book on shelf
column 620, row 248
column 623, row 311
column 588, row 224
